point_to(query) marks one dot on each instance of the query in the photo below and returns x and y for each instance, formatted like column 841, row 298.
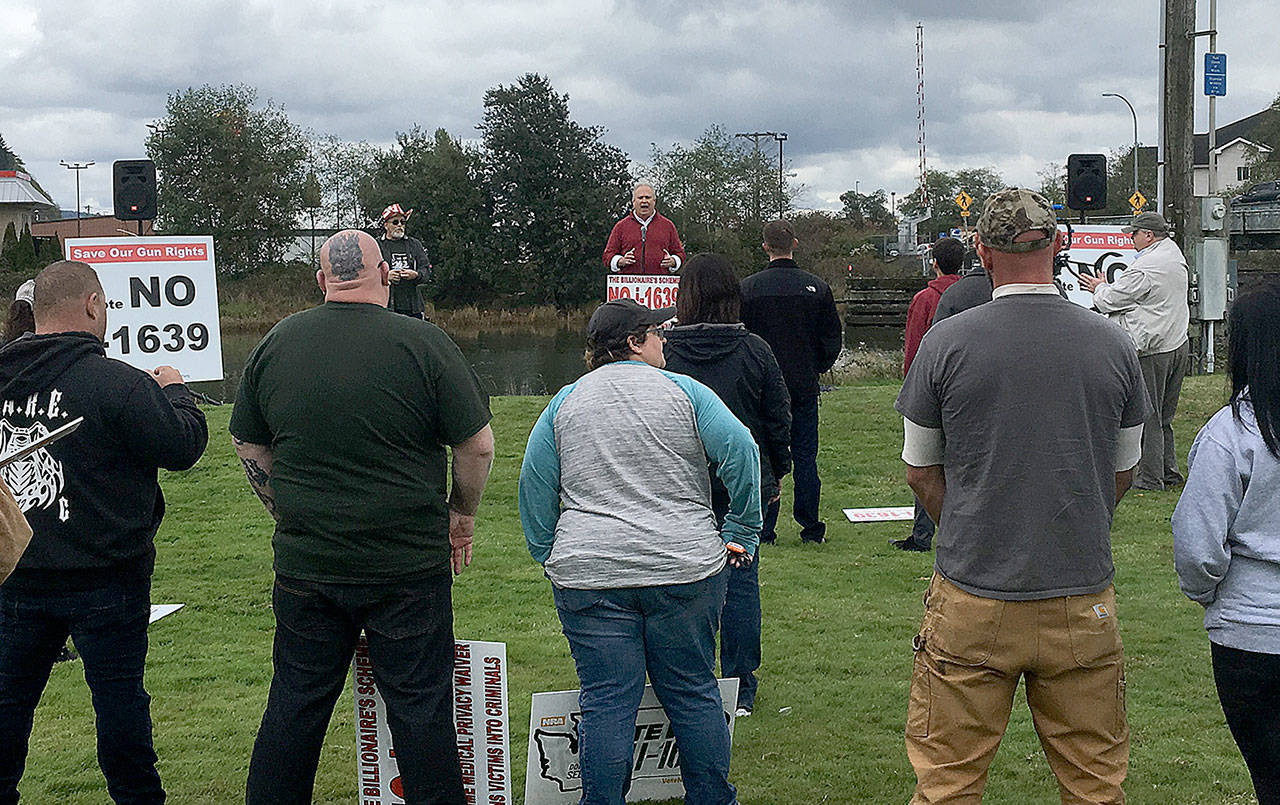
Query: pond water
column 507, row 362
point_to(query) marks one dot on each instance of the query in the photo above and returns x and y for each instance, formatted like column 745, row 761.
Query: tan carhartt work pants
column 970, row 654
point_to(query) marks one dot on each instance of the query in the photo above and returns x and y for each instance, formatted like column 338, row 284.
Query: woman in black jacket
column 711, row 345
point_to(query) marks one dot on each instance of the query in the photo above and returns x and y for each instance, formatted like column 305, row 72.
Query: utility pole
column 781, row 137
column 1179, row 122
column 1213, row 103
column 755, row 180
column 77, row 167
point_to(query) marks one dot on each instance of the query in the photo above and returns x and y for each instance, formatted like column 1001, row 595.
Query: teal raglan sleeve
column 540, row 482
column 733, row 451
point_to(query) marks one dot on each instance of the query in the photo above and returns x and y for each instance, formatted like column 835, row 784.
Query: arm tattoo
column 261, row 483
column 259, row 478
column 345, row 257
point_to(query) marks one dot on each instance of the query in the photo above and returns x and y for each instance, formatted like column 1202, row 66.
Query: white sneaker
column 742, row 712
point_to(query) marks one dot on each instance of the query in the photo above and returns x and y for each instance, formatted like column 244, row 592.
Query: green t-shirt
column 358, row 405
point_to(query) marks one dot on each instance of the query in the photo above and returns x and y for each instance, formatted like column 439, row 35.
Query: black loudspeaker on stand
column 133, row 186
column 1087, row 182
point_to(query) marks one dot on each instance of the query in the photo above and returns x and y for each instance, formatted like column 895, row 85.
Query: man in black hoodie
column 795, row 312
column 94, row 505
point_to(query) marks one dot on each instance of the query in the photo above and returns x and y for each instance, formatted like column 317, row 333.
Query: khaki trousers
column 970, row 654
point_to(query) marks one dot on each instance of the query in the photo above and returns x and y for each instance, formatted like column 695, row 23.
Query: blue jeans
column 806, row 486
column 740, row 630
column 922, row 528
column 670, row 631
column 109, row 627
column 409, row 626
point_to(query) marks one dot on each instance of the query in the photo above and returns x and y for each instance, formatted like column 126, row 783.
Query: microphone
column 644, row 233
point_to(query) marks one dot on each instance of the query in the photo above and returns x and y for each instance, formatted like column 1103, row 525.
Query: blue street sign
column 1215, row 74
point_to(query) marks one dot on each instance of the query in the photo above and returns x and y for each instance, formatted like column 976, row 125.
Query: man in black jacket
column 795, row 312
column 94, row 505
column 407, row 258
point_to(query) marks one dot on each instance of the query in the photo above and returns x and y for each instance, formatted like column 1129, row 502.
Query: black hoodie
column 92, row 498
column 740, row 368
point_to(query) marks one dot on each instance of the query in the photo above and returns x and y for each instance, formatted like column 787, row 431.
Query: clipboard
column 43, row 441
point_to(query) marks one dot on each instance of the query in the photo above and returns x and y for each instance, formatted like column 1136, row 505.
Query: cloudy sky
column 1014, row 84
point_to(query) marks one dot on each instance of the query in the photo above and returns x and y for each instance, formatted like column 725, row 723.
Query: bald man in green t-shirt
column 344, row 420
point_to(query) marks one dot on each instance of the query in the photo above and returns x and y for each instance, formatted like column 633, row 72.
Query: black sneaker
column 909, row 544
column 818, row 541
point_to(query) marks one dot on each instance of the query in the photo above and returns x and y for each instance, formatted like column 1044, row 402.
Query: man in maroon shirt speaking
column 645, row 242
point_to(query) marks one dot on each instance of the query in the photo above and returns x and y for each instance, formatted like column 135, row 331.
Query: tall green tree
column 443, row 181
column 1265, row 165
column 229, row 168
column 341, row 169
column 867, row 209
column 943, row 187
column 719, row 191
column 556, row 190
column 9, row 161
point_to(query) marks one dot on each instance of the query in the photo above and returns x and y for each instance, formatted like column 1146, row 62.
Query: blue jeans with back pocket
column 617, row 635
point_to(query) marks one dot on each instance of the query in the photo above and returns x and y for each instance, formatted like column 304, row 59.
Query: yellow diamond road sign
column 1137, row 201
column 964, row 200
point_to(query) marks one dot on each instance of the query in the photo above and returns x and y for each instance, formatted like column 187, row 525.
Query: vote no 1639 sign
column 162, row 301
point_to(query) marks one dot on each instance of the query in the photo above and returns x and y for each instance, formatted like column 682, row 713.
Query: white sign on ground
column 159, row 611
column 162, row 301
column 880, row 514
column 1096, row 250
column 554, row 776
column 480, row 717
column 651, row 290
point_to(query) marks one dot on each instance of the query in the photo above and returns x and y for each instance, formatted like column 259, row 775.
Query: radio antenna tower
column 924, row 170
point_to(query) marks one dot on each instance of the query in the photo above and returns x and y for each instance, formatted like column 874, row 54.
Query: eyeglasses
column 396, row 222
column 655, row 331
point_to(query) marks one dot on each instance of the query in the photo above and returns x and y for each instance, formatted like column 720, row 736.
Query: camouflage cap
column 1012, row 212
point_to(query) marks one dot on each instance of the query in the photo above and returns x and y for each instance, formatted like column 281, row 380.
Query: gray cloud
column 1012, row 84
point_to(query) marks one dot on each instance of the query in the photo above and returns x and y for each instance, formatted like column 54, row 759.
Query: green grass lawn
column 838, row 625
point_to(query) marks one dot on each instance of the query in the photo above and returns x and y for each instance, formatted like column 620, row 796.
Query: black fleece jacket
column 92, row 498
column 740, row 368
column 795, row 312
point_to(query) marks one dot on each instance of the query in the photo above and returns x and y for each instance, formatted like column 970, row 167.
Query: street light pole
column 77, row 167
column 1135, row 134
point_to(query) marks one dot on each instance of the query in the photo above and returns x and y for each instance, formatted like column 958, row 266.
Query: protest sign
column 159, row 611
column 554, row 776
column 162, row 301
column 480, row 719
column 652, row 291
column 1098, row 250
column 880, row 514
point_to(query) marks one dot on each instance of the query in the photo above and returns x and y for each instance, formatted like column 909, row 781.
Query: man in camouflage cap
column 1010, row 214
column 1019, row 443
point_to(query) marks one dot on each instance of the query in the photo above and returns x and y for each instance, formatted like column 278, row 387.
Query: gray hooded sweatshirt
column 1226, row 533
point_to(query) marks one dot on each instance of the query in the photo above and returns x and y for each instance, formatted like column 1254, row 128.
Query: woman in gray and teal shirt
column 615, row 500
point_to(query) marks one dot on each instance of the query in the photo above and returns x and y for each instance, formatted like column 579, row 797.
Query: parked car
column 1259, row 193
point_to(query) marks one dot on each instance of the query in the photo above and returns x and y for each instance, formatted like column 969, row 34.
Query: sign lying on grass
column 162, row 301
column 159, row 611
column 480, row 717
column 881, row 514
column 651, row 290
column 554, row 776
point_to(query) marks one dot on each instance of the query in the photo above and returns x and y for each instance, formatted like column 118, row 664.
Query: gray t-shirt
column 1030, row 392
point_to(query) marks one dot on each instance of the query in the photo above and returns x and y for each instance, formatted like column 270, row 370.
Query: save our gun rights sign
column 162, row 301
